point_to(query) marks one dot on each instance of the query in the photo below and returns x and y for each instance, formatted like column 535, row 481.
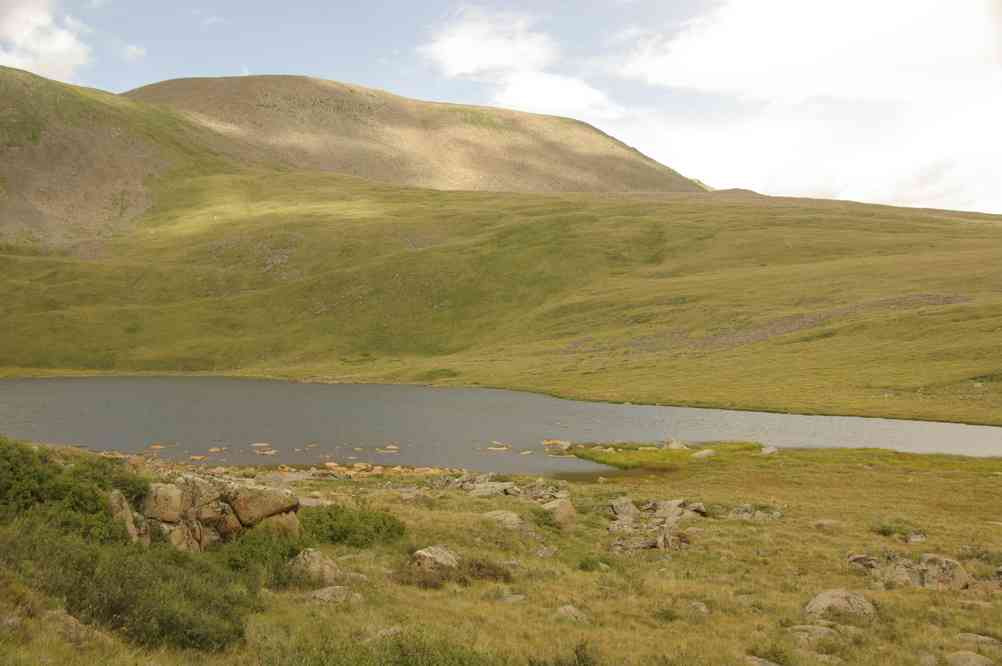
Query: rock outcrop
column 193, row 512
column 932, row 571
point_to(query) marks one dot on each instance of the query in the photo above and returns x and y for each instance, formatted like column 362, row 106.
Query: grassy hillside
column 722, row 299
column 314, row 124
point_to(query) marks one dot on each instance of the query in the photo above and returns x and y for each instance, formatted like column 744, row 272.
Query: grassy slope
column 754, row 578
column 706, row 299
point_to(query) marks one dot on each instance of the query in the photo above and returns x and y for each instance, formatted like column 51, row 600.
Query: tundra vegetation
column 222, row 260
column 798, row 557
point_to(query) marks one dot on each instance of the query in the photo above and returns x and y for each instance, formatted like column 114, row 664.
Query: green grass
column 692, row 299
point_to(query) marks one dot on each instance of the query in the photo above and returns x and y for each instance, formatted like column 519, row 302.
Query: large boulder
column 435, row 557
column 164, row 502
column 253, row 504
column 943, row 573
column 563, row 512
column 934, row 572
column 838, row 604
column 314, row 566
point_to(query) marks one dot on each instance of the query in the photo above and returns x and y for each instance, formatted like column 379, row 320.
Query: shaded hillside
column 315, row 124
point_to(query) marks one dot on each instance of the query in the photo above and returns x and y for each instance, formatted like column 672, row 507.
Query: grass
column 693, row 299
column 753, row 578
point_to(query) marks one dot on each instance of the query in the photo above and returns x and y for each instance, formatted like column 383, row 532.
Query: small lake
column 311, row 423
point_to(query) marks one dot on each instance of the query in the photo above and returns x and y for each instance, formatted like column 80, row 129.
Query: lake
column 311, row 423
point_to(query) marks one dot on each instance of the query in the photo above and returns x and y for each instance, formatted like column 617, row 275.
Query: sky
column 886, row 101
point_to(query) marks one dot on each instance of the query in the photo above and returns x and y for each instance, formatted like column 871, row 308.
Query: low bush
column 360, row 528
column 153, row 596
column 261, row 557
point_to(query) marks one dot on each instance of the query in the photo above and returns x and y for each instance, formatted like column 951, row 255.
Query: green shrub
column 544, row 519
column 261, row 558
column 153, row 596
column 360, row 528
column 666, row 615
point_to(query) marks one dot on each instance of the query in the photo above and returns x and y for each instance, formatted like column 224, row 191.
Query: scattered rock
column 506, row 519
column 569, row 612
column 828, row 525
column 808, row 635
column 978, row 639
column 968, row 659
column 934, row 572
column 833, row 604
column 557, row 445
column 675, row 445
column 336, row 594
column 751, row 513
column 623, row 507
column 699, row 608
column 435, row 557
column 769, row 450
column 313, row 565
column 704, row 453
column 563, row 512
column 493, row 489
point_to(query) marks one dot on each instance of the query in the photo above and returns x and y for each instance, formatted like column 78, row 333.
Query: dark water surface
column 432, row 426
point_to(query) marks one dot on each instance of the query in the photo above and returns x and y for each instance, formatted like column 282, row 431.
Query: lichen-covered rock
column 623, row 507
column 943, row 573
column 164, row 502
column 435, row 557
column 833, row 604
column 314, row 566
column 252, row 505
column 563, row 512
column 122, row 512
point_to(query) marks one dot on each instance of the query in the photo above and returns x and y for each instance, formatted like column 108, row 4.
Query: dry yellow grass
column 753, row 577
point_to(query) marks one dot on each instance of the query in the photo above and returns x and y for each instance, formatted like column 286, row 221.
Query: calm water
column 432, row 426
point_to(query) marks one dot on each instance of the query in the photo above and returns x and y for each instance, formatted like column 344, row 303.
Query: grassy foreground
column 711, row 299
column 735, row 590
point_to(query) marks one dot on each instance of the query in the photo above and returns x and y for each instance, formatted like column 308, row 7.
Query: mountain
column 309, row 123
column 136, row 237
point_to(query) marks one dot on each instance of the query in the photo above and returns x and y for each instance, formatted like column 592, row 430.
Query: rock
column 493, row 489
column 978, row 639
column 383, row 634
column 506, row 519
column 122, row 512
column 314, row 566
column 220, row 517
column 435, row 557
column 623, row 507
column 335, row 594
column 833, row 604
column 916, row 537
column 827, row 525
column 282, row 523
column 557, row 445
column 571, row 613
column 699, row 608
column 163, row 503
column 864, row 562
column 769, row 450
column 186, row 536
column 748, row 512
column 622, row 525
column 675, row 445
column 759, row 661
column 72, row 630
column 968, row 659
column 702, row 454
column 252, row 505
column 563, row 512
column 808, row 635
column 943, row 573
column 546, row 552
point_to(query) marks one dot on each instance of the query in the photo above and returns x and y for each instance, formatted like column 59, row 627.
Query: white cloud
column 476, row 43
column 206, row 19
column 896, row 101
column 132, row 53
column 35, row 38
column 540, row 92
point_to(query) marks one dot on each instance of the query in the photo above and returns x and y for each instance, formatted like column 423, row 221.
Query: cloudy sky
column 894, row 101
